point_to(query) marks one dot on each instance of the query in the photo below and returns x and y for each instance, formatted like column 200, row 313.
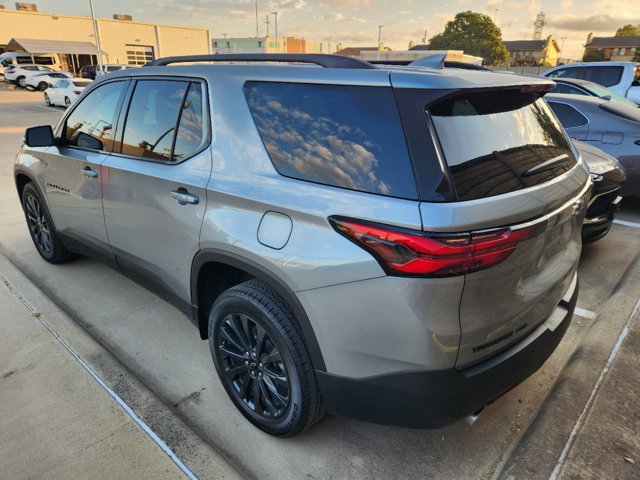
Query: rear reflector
column 412, row 253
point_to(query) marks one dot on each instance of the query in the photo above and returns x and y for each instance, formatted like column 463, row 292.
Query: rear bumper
column 431, row 399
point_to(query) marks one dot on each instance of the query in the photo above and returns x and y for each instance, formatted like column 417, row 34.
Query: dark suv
column 393, row 244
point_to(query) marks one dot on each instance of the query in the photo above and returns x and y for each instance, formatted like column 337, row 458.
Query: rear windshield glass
column 80, row 83
column 344, row 136
column 496, row 142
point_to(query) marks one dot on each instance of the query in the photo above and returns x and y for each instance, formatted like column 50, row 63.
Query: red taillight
column 77, row 92
column 438, row 255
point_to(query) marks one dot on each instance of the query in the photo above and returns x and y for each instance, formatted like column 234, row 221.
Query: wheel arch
column 214, row 271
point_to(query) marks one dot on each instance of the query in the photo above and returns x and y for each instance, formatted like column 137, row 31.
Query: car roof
column 575, row 81
column 594, row 64
column 351, row 71
column 576, row 99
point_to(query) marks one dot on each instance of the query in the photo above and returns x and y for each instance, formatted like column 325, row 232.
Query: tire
column 262, row 360
column 42, row 86
column 41, row 228
column 47, row 100
column 67, row 102
column 21, row 82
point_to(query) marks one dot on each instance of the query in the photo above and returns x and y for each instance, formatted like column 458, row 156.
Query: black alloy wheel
column 41, row 227
column 254, row 366
column 21, row 82
column 67, row 102
column 262, row 360
column 38, row 225
column 47, row 100
column 42, row 86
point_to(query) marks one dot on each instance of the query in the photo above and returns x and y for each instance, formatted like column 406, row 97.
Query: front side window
column 343, row 136
column 90, row 125
column 152, row 120
column 564, row 73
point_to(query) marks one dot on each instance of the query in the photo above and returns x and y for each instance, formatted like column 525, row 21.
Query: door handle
column 183, row 197
column 89, row 173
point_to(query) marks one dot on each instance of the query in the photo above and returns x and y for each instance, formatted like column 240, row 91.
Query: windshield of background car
column 338, row 135
column 494, row 140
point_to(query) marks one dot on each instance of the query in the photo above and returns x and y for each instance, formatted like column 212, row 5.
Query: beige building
column 122, row 41
column 533, row 53
column 615, row 49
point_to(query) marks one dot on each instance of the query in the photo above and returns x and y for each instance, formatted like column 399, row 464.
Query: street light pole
column 277, row 40
column 257, row 32
column 95, row 34
column 379, row 39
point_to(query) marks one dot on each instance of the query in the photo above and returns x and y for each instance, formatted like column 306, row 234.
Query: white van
column 18, row 58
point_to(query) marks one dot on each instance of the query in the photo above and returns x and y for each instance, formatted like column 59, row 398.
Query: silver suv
column 393, row 244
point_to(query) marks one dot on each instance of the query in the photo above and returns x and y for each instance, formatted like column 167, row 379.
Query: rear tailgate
column 511, row 166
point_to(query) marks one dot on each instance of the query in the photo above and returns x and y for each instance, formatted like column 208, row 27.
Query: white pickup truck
column 621, row 77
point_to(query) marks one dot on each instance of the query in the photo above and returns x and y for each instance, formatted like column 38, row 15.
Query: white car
column 42, row 81
column 620, row 77
column 18, row 73
column 65, row 91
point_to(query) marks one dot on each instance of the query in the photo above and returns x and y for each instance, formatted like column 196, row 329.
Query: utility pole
column 267, row 27
column 257, row 32
column 562, row 46
column 495, row 15
column 424, row 39
column 379, row 39
column 277, row 40
column 95, row 34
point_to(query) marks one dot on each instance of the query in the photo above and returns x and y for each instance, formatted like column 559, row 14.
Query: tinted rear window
column 343, row 136
column 569, row 117
column 492, row 141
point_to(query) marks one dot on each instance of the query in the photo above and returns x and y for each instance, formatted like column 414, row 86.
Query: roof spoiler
column 323, row 60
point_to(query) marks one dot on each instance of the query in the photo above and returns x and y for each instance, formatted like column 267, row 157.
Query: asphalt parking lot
column 152, row 357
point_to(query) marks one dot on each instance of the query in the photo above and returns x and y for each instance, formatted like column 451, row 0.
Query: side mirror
column 39, row 136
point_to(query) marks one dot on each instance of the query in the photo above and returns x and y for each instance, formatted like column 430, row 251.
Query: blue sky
column 355, row 22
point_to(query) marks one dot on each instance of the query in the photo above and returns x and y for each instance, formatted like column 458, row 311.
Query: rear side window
column 605, row 76
column 343, row 136
column 569, row 116
column 157, row 110
column 564, row 88
column 90, row 125
column 494, row 140
column 43, row 60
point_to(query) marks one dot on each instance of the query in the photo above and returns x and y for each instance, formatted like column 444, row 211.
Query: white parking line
column 587, row 408
column 584, row 313
column 626, row 223
column 101, row 382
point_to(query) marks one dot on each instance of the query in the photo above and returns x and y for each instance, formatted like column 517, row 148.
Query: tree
column 475, row 34
column 593, row 56
column 628, row 31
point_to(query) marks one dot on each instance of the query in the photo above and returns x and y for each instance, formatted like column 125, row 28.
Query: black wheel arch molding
column 255, row 270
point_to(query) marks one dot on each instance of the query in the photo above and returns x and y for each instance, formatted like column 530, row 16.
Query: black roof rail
column 324, row 60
